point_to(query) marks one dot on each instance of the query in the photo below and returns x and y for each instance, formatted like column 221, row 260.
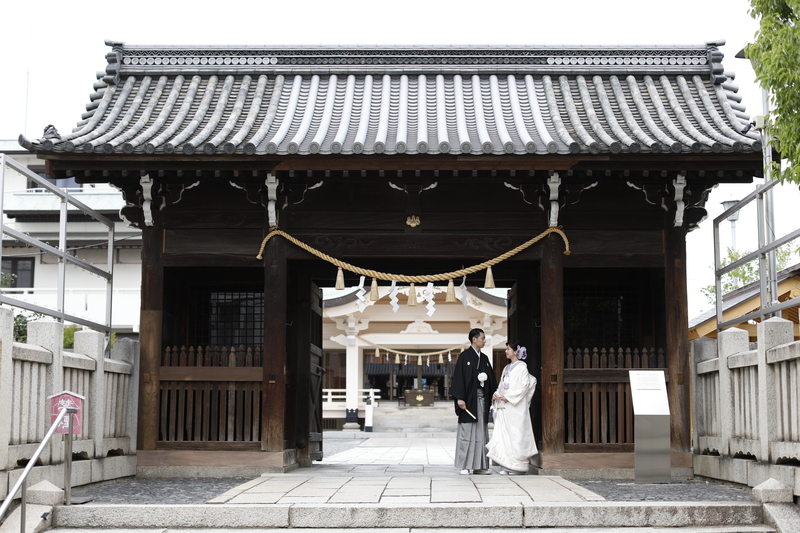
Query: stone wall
column 746, row 406
column 105, row 448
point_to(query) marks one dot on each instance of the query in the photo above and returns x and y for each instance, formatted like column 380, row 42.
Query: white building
column 30, row 209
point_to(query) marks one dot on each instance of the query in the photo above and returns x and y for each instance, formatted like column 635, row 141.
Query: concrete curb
column 640, row 514
column 595, row 514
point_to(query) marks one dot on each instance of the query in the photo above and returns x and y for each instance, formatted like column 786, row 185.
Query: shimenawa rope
column 412, row 279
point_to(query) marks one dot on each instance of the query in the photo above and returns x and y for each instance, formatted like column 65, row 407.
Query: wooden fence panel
column 598, row 406
column 220, row 407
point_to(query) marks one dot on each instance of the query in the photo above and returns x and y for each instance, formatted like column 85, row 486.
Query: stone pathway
column 363, row 488
column 388, row 469
column 387, row 450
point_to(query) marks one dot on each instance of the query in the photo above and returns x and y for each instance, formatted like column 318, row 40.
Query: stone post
column 352, row 382
column 771, row 333
column 702, row 349
column 353, row 369
column 127, row 350
column 731, row 342
column 49, row 334
column 6, row 383
column 91, row 344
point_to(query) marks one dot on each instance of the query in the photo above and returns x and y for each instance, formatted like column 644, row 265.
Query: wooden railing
column 210, row 394
column 598, row 407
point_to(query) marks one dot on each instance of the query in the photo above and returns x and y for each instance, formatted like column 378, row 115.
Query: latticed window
column 226, row 315
column 602, row 311
column 212, row 308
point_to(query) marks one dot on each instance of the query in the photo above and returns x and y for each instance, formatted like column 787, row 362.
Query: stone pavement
column 390, row 468
column 409, row 485
column 365, row 487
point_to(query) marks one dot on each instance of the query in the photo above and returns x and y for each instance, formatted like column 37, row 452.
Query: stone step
column 698, row 517
column 710, row 529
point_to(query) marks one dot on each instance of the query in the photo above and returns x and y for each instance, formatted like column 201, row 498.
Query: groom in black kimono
column 472, row 387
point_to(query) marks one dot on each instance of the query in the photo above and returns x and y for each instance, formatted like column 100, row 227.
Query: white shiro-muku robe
column 512, row 443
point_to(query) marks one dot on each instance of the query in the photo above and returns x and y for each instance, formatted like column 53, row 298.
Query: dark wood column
column 677, row 319
column 274, row 382
column 150, row 330
column 552, row 381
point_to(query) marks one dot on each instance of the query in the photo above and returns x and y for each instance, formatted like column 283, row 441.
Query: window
column 20, row 270
column 68, row 183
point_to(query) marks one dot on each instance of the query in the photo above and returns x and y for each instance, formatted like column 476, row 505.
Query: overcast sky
column 51, row 50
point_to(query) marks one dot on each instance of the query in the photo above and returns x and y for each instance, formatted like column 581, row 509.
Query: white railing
column 40, row 369
column 333, row 401
column 747, row 402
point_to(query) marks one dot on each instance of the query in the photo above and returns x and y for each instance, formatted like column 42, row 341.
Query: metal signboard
column 69, row 400
column 650, row 426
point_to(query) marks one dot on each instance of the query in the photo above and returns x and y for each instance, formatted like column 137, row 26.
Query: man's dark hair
column 474, row 333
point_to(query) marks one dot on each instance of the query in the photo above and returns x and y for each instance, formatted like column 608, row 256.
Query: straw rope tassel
column 340, row 280
column 412, row 295
column 451, row 292
column 489, row 283
column 373, row 291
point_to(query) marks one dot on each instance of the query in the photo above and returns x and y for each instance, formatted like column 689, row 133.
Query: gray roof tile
column 389, row 100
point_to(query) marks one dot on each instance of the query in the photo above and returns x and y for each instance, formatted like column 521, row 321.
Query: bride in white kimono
column 512, row 443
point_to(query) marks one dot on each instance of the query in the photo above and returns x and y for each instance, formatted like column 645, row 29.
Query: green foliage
column 21, row 325
column 69, row 336
column 745, row 274
column 775, row 55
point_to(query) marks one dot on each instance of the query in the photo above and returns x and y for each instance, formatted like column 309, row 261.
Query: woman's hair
column 522, row 353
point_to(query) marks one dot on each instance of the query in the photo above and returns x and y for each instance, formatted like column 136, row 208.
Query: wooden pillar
column 274, row 381
column 677, row 326
column 552, row 382
column 150, row 329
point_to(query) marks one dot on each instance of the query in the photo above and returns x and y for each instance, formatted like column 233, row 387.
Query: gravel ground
column 695, row 490
column 175, row 491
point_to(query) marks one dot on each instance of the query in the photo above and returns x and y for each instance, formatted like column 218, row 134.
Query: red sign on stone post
column 69, row 400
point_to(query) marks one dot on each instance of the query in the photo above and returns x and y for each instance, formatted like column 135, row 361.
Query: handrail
column 64, row 257
column 22, row 481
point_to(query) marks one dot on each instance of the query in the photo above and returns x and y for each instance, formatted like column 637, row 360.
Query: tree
column 775, row 55
column 747, row 273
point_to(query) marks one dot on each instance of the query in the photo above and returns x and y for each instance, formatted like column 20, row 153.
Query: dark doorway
column 211, row 364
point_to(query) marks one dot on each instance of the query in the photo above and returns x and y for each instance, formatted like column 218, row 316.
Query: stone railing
column 747, row 406
column 106, row 445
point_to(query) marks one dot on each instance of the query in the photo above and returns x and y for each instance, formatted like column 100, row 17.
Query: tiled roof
column 387, row 100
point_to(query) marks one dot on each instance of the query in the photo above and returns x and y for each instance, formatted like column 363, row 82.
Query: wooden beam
column 150, row 329
column 552, row 383
column 677, row 316
column 205, row 373
column 273, row 409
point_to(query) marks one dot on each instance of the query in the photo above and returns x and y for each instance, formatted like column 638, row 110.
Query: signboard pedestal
column 651, row 426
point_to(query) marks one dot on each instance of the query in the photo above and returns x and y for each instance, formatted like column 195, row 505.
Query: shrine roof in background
column 548, row 101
